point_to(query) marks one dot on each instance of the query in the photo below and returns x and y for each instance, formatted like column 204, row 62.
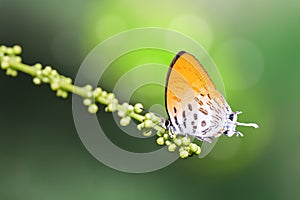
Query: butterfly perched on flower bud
column 194, row 106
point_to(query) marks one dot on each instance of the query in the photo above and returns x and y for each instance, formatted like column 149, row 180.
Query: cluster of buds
column 184, row 145
column 98, row 95
column 52, row 77
column 9, row 55
column 11, row 62
column 126, row 111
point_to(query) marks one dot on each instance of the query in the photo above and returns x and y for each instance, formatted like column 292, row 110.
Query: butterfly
column 194, row 106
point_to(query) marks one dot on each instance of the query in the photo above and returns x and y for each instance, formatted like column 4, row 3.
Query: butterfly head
column 232, row 122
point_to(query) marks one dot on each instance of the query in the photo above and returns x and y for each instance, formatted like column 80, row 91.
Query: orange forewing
column 187, row 79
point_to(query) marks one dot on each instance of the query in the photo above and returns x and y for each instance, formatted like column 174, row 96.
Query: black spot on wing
column 175, row 110
column 176, row 120
column 190, row 107
column 183, row 115
column 195, row 116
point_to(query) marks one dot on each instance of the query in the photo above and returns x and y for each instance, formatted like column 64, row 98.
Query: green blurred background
column 255, row 45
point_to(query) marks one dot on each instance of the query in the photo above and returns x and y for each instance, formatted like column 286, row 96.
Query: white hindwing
column 200, row 117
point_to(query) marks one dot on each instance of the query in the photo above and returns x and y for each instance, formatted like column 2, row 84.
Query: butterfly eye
column 231, row 117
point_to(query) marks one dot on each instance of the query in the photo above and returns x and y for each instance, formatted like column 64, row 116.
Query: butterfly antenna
column 247, row 124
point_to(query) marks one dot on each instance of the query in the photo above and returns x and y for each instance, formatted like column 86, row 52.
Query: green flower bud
column 54, row 86
column 14, row 73
column 148, row 116
column 125, row 121
column 193, row 147
column 138, row 108
column 140, row 126
column 38, row 66
column 104, row 94
column 9, row 51
column 64, row 94
column 198, row 150
column 187, row 148
column 8, row 71
column 130, row 108
column 37, row 81
column 97, row 92
column 68, row 80
column 59, row 93
column 45, row 79
column 89, row 94
column 183, row 154
column 162, row 130
column 148, row 123
column 39, row 72
column 3, row 48
column 168, row 142
column 147, row 133
column 159, row 133
column 54, row 73
column 6, row 58
column 125, row 105
column 87, row 102
column 93, row 108
column 4, row 65
column 115, row 101
column 17, row 49
column 111, row 108
column 178, row 142
column 88, row 87
column 121, row 113
column 48, row 69
column 166, row 136
column 110, row 96
column 172, row 147
column 17, row 59
column 160, row 141
column 186, row 141
column 154, row 118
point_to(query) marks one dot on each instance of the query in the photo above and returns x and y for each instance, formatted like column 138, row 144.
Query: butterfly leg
column 239, row 134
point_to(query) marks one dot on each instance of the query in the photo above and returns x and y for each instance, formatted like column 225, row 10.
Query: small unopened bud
column 87, row 102
column 125, row 121
column 186, row 141
column 138, row 108
column 17, row 49
column 37, row 81
column 160, row 141
column 193, row 147
column 183, row 154
column 93, row 108
column 172, row 147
